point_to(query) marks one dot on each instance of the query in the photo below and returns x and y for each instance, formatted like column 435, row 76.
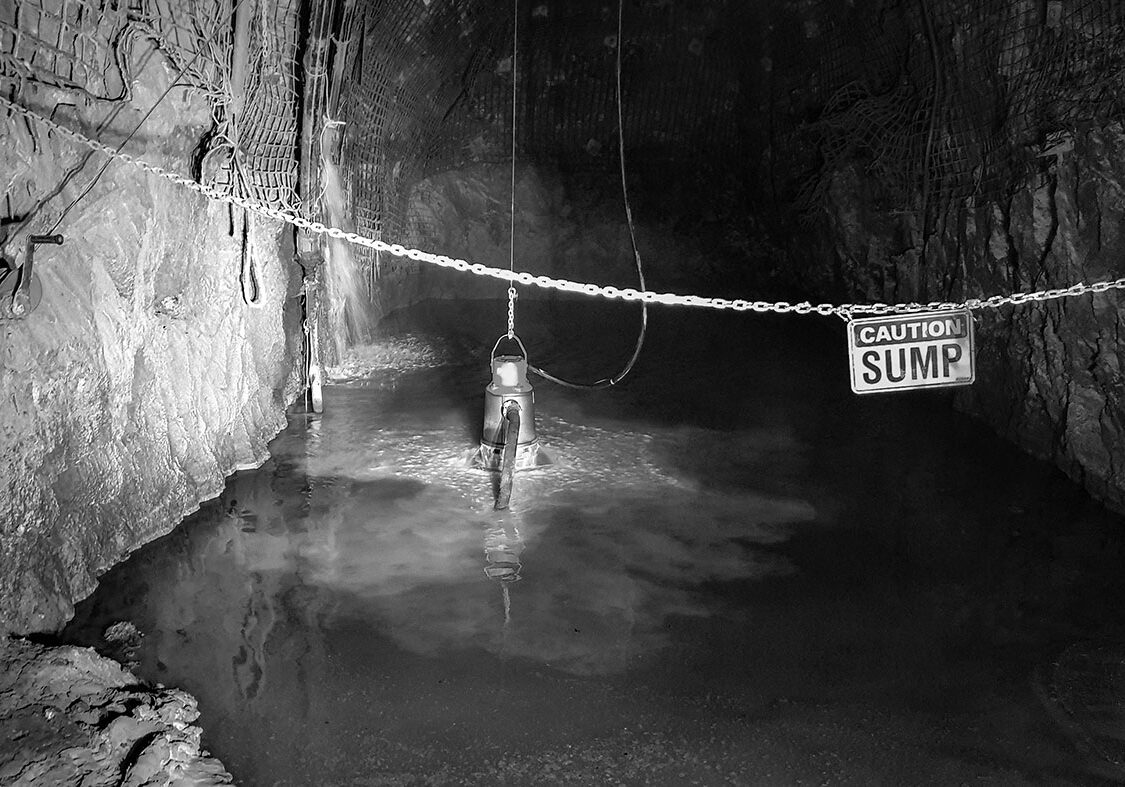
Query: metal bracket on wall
column 20, row 290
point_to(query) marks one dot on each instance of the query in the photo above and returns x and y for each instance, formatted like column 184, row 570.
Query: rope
column 512, row 294
column 843, row 310
column 607, row 382
column 104, row 124
column 248, row 280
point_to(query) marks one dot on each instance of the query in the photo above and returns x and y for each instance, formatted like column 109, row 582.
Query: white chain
column 844, row 310
column 512, row 295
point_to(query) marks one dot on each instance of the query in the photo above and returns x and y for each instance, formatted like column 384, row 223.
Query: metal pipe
column 21, row 303
column 508, row 463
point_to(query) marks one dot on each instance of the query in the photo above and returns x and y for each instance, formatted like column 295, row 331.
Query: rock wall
column 1049, row 375
column 143, row 378
column 69, row 716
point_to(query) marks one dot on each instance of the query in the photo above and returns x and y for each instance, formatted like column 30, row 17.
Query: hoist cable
column 607, row 382
column 512, row 240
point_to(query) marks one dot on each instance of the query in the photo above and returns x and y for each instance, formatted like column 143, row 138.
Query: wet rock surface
column 143, row 378
column 1048, row 375
column 69, row 716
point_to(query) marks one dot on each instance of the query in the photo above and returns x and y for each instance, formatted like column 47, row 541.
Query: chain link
column 843, row 310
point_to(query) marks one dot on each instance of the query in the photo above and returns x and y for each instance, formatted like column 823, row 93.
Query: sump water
column 736, row 572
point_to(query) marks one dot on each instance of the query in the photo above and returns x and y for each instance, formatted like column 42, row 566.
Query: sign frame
column 923, row 322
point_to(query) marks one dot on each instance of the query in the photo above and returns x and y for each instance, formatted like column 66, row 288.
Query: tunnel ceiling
column 936, row 100
column 435, row 84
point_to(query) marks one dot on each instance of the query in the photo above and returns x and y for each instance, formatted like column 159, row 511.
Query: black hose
column 609, row 381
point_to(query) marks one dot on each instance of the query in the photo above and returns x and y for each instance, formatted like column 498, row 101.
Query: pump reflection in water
column 502, row 548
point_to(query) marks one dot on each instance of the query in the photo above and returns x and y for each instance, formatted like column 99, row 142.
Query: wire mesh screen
column 410, row 65
column 430, row 89
column 939, row 99
column 71, row 44
column 680, row 84
column 409, row 68
column 257, row 137
column 88, row 46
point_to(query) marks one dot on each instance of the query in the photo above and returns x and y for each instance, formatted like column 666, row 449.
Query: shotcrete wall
column 143, row 378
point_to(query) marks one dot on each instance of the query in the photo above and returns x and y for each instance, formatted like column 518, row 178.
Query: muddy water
column 736, row 572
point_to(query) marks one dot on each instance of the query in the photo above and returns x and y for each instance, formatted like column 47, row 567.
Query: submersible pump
column 509, row 414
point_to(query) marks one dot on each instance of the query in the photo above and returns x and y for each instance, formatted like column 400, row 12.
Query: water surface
column 736, row 572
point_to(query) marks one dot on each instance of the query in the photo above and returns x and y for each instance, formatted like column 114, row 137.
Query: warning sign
column 909, row 351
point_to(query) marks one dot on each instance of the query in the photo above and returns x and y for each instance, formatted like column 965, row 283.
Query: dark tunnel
column 562, row 392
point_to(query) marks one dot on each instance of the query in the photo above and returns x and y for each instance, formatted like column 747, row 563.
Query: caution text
column 930, row 349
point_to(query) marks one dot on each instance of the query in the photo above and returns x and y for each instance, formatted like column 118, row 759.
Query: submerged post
column 508, row 463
